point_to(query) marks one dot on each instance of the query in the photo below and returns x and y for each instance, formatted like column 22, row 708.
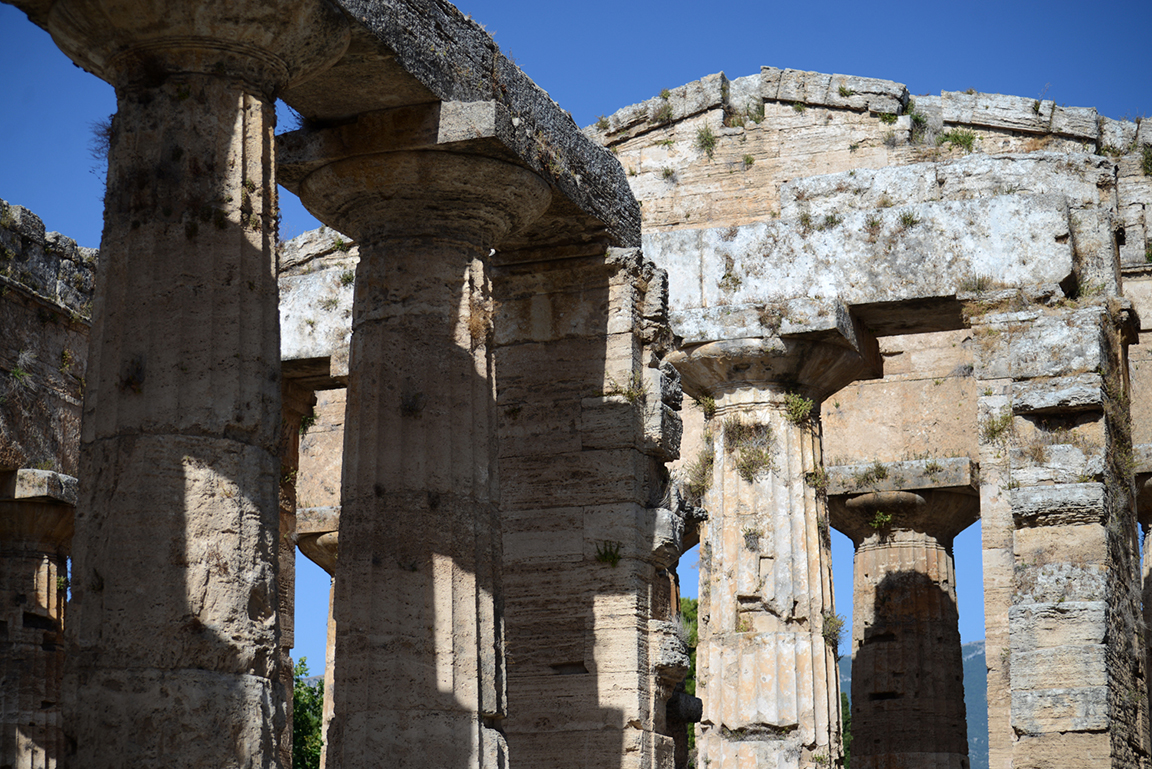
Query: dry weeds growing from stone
column 833, row 628
column 707, row 405
column 706, row 141
column 997, row 428
column 698, row 474
column 817, row 479
column 634, row 390
column 750, row 446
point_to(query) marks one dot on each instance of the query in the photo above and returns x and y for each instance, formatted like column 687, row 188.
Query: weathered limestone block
column 924, row 406
column 46, row 287
column 1062, row 620
column 36, row 516
column 856, row 93
column 994, row 110
column 316, row 307
column 49, row 265
column 958, row 474
column 1080, row 179
column 1077, row 122
column 678, row 104
column 864, row 257
column 1079, row 392
column 594, row 659
column 1117, row 135
column 175, row 627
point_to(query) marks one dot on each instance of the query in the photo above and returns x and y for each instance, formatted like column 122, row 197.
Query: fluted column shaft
column 420, row 672
column 907, row 667
column 770, row 685
column 34, row 539
column 174, row 640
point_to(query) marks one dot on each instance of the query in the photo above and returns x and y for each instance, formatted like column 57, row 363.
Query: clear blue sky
column 595, row 56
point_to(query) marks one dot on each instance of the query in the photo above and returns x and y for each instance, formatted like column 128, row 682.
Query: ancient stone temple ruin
column 893, row 317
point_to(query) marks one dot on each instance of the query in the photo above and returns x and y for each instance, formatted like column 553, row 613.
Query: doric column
column 907, row 665
column 420, row 676
column 766, row 661
column 36, row 508
column 175, row 629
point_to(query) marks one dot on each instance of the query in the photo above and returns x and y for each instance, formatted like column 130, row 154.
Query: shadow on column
column 908, row 678
column 578, row 515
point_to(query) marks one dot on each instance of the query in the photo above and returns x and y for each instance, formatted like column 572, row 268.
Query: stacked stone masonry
column 894, row 316
column 784, row 203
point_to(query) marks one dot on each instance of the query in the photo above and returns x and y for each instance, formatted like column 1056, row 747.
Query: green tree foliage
column 307, row 719
column 846, row 723
column 688, row 609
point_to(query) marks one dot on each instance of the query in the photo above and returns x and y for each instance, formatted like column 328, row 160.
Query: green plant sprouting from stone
column 880, row 520
column 908, row 220
column 959, row 137
column 750, row 446
column 706, row 141
column 833, row 628
column 634, row 390
column 608, row 552
column 797, row 408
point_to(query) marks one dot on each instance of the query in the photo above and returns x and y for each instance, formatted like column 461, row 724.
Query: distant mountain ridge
column 975, row 699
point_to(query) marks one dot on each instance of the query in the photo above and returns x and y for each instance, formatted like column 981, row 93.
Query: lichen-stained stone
column 421, row 672
column 886, row 255
column 175, row 626
column 588, row 411
column 1063, row 628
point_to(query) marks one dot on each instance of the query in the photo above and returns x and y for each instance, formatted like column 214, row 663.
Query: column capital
column 425, row 194
column 814, row 358
column 271, row 45
column 317, row 535
column 878, row 514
